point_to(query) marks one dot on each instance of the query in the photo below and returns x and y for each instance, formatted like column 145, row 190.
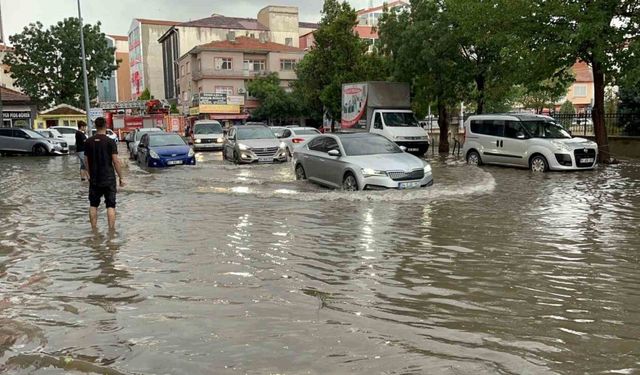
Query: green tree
column 276, row 105
column 145, row 95
column 567, row 112
column 339, row 56
column 47, row 65
column 601, row 33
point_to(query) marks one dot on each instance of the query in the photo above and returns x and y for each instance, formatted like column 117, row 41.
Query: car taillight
column 297, row 140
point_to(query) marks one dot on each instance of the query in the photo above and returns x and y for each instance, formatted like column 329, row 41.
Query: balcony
column 211, row 73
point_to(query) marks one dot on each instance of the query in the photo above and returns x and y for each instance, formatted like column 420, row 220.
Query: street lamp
column 84, row 72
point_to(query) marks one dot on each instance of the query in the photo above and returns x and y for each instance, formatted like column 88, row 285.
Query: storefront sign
column 235, row 100
column 222, row 108
column 210, row 99
column 16, row 115
column 133, row 104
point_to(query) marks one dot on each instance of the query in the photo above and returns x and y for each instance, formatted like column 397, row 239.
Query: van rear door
column 489, row 134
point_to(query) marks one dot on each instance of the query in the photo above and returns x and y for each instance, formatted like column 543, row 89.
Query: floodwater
column 219, row 269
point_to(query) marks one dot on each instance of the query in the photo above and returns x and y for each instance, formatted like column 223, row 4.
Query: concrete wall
column 5, row 74
column 623, row 147
column 123, row 76
column 273, row 61
column 282, row 22
column 190, row 37
column 152, row 58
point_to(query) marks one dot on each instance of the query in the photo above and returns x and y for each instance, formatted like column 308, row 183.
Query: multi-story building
column 277, row 24
column 145, row 56
column 117, row 87
column 224, row 67
column 5, row 75
column 581, row 91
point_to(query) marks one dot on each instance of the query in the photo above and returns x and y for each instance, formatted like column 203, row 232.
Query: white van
column 207, row 135
column 527, row 141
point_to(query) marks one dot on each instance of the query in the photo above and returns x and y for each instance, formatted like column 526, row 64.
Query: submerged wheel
column 539, row 164
column 349, row 183
column 39, row 150
column 473, row 158
column 300, row 174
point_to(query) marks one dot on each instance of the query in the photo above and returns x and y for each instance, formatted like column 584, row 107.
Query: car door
column 312, row 159
column 6, row 140
column 143, row 149
column 377, row 127
column 513, row 149
column 489, row 133
column 331, row 166
column 22, row 141
column 230, row 143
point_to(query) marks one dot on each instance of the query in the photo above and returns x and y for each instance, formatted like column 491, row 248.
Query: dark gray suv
column 27, row 141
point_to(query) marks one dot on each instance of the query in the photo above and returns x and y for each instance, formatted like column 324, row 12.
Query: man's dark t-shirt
column 81, row 138
column 99, row 150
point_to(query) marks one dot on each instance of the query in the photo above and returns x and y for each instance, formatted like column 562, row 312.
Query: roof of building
column 583, row 72
column 217, row 21
column 157, row 22
column 388, row 5
column 63, row 109
column 366, row 32
column 9, row 95
column 122, row 38
column 245, row 43
column 308, row 25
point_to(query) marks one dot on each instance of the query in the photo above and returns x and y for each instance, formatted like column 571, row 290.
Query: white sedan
column 294, row 137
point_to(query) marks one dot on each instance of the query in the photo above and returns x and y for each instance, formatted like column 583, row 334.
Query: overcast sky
column 116, row 15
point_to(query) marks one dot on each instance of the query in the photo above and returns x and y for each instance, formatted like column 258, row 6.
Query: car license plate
column 267, row 159
column 174, row 162
column 413, row 149
column 409, row 185
column 587, row 160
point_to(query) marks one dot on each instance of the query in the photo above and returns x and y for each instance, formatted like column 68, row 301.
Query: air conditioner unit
column 242, row 91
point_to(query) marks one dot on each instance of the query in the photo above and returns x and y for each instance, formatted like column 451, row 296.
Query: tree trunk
column 443, row 124
column 480, row 86
column 598, row 112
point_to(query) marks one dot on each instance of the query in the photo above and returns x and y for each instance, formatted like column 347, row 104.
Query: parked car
column 207, row 135
column 27, row 141
column 69, row 134
column 359, row 161
column 294, row 137
column 253, row 144
column 528, row 141
column 55, row 136
column 137, row 136
column 110, row 133
column 158, row 150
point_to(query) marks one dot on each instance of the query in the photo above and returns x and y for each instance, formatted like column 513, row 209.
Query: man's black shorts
column 97, row 192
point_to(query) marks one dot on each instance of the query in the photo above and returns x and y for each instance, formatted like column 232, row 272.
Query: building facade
column 225, row 67
column 145, row 57
column 117, row 88
column 5, row 73
column 17, row 109
column 581, row 91
column 277, row 24
column 60, row 115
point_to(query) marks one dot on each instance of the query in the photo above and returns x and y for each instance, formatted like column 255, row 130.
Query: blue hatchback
column 159, row 150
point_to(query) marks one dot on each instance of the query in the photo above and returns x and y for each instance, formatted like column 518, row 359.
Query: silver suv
column 253, row 144
column 27, row 141
column 526, row 140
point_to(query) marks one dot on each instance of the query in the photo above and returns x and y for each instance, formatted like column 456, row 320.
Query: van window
column 377, row 122
column 488, row 127
column 512, row 129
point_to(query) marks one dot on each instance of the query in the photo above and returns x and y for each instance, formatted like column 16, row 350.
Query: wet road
column 220, row 269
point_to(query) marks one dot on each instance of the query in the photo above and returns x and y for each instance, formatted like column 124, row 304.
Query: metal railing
column 617, row 124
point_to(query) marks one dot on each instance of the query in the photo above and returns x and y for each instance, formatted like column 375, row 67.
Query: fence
column 617, row 124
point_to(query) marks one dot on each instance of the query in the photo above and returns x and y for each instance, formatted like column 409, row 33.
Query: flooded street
column 219, row 269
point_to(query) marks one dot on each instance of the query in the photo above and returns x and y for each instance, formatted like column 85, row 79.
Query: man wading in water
column 101, row 159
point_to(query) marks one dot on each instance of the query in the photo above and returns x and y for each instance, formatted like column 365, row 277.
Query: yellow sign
column 194, row 111
column 219, row 108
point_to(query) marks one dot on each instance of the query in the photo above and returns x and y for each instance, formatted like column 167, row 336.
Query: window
column 331, row 144
column 286, row 134
column 287, row 65
column 224, row 90
column 317, row 144
column 579, row 91
column 223, row 63
column 488, row 127
column 65, row 122
column 377, row 122
column 5, row 132
column 255, row 65
column 200, row 89
column 512, row 129
column 288, row 42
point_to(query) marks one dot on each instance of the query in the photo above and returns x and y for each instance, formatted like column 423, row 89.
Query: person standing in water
column 101, row 158
column 81, row 137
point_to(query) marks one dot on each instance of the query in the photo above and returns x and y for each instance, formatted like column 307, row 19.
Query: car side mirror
column 403, row 148
column 334, row 152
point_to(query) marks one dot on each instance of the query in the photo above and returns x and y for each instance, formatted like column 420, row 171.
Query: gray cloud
column 116, row 15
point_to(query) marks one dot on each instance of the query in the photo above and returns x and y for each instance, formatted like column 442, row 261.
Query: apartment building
column 117, row 87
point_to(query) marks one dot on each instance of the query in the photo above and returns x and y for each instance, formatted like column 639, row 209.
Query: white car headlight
column 154, row 154
column 427, row 169
column 198, row 141
column 191, row 153
column 243, row 147
column 368, row 172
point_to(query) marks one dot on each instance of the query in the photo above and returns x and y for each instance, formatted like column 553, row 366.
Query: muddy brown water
column 219, row 269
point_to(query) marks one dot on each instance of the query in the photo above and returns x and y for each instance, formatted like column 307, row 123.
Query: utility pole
column 84, row 72
column 5, row 51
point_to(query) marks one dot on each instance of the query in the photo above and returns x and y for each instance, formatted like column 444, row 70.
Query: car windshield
column 545, row 129
column 358, row 146
column 211, row 128
column 166, row 140
column 139, row 134
column 255, row 133
column 32, row 134
column 306, row 132
column 400, row 119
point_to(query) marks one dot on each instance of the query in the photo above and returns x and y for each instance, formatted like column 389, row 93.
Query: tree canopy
column 276, row 104
column 46, row 64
